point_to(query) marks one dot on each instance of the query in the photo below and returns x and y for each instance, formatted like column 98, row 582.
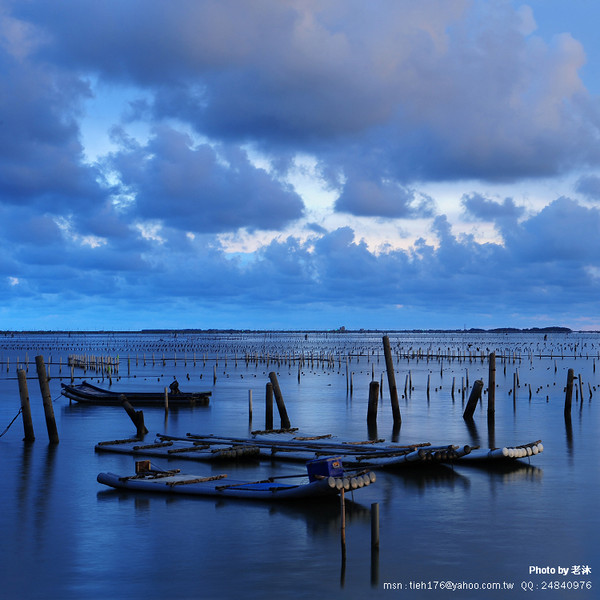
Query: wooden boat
column 326, row 478
column 86, row 393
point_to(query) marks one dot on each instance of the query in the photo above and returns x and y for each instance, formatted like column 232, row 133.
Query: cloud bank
column 208, row 109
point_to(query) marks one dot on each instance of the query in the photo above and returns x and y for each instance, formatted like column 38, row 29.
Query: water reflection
column 321, row 517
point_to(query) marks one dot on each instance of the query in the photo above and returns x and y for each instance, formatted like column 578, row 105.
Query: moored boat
column 86, row 393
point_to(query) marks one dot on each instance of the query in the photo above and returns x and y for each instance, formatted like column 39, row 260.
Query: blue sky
column 297, row 165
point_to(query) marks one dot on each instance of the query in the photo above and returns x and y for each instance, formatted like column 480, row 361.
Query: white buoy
column 540, row 447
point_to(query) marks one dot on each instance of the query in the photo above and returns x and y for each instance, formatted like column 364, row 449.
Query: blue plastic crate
column 324, row 467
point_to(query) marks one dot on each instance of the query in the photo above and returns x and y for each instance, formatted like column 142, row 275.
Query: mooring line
column 20, row 411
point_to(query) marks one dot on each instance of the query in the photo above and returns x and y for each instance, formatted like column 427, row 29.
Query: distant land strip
column 341, row 331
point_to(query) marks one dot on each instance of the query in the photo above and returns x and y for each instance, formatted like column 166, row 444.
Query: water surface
column 66, row 537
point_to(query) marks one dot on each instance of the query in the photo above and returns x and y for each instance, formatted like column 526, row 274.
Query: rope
column 20, row 411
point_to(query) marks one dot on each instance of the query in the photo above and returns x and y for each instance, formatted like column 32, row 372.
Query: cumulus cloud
column 200, row 187
column 563, row 231
column 481, row 208
column 589, row 186
column 382, row 199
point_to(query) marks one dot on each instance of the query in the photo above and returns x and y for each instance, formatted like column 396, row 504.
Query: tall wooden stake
column 47, row 399
column 269, row 407
column 569, row 393
column 25, row 407
column 473, row 399
column 373, row 397
column 492, row 385
column 285, row 422
column 389, row 367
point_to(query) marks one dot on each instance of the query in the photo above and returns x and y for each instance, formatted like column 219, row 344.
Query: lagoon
column 67, row 537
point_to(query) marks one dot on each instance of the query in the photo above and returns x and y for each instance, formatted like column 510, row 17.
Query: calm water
column 66, row 537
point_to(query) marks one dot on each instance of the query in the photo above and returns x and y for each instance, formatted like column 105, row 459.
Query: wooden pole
column 47, row 399
column 389, row 366
column 373, row 397
column 375, row 525
column 250, row 406
column 492, row 385
column 343, row 524
column 269, row 407
column 137, row 417
column 375, row 544
column 569, row 393
column 25, row 407
column 285, row 422
column 473, row 399
column 166, row 401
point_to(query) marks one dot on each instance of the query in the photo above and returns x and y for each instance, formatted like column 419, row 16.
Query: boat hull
column 86, row 393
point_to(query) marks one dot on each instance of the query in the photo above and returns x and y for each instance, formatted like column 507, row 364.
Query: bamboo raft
column 324, row 478
column 288, row 445
column 283, row 445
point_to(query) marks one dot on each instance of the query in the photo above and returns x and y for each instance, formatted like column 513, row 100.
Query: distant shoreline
column 342, row 331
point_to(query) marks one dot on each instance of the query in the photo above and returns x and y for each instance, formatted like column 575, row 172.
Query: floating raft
column 181, row 450
column 326, row 479
column 286, row 445
column 505, row 454
column 86, row 393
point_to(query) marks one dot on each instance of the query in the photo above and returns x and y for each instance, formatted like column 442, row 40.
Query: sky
column 299, row 164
